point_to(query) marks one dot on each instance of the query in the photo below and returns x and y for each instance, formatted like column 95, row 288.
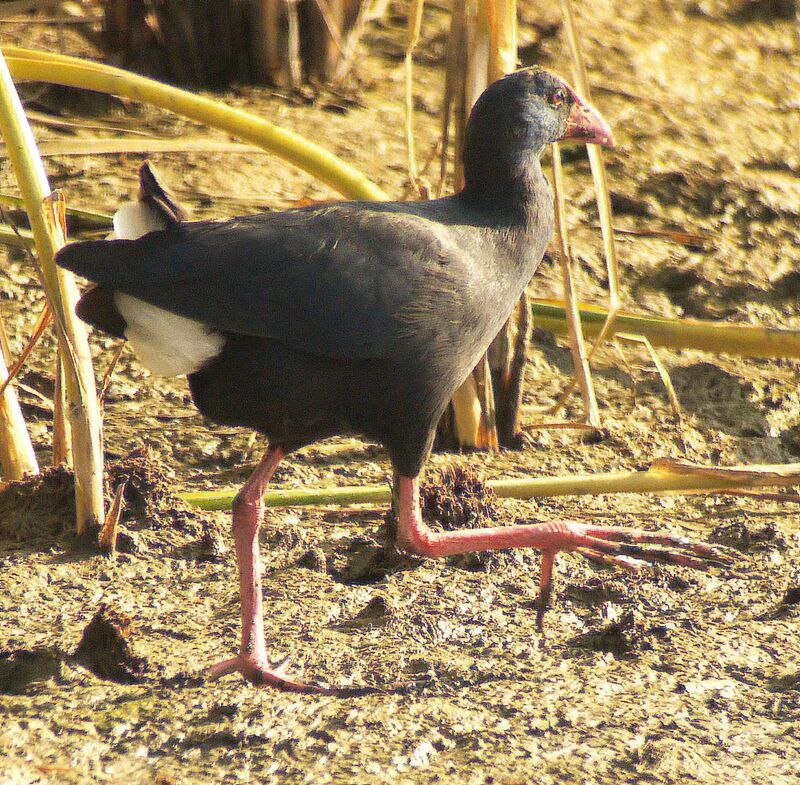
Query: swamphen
column 353, row 317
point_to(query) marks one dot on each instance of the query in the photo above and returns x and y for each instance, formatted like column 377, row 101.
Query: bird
column 354, row 317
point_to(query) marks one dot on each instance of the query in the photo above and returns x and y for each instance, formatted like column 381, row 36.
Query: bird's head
column 518, row 115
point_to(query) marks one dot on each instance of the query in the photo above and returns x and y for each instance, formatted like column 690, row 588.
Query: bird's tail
column 167, row 344
column 155, row 209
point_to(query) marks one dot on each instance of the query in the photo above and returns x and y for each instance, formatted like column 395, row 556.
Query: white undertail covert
column 165, row 343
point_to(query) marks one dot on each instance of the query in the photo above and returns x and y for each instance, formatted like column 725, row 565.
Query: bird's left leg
column 627, row 548
column 248, row 513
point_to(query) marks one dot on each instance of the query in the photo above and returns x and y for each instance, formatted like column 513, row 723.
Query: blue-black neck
column 516, row 190
column 514, row 193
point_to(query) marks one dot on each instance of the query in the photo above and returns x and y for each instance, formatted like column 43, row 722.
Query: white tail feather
column 165, row 343
column 134, row 220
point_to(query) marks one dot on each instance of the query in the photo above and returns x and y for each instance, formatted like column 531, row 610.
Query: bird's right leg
column 248, row 513
column 623, row 547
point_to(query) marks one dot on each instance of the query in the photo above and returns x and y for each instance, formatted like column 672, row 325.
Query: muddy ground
column 668, row 676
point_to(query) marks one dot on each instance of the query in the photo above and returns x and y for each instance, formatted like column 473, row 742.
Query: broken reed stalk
column 46, row 216
column 769, row 343
column 92, row 218
column 38, row 330
column 31, row 65
column 663, row 476
column 665, row 380
column 577, row 345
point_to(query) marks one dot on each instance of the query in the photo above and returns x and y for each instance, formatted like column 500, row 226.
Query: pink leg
column 608, row 544
column 248, row 512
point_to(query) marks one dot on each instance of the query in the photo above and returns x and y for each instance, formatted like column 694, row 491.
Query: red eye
column 558, row 96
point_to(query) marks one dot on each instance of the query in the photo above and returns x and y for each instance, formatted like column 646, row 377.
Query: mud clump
column 746, row 536
column 38, row 507
column 105, row 648
column 458, row 500
column 149, row 496
column 43, row 506
column 623, row 638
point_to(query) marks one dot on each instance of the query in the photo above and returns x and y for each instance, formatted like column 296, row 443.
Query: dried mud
column 664, row 676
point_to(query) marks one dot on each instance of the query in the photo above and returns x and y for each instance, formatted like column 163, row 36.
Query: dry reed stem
column 577, row 345
column 412, row 39
column 602, row 195
column 16, row 449
column 104, row 385
column 368, row 11
column 293, row 45
column 62, row 434
column 456, row 54
column 38, row 330
column 330, row 24
column 83, row 423
column 665, row 379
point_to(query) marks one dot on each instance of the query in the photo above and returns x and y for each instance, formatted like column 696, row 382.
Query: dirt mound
column 106, row 648
column 38, row 507
column 149, row 495
column 43, row 506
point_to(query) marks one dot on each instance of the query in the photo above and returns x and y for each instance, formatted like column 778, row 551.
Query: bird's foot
column 633, row 548
column 260, row 673
column 629, row 549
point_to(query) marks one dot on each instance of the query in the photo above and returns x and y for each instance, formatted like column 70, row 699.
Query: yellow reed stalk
column 472, row 425
column 718, row 337
column 31, row 65
column 507, row 351
column 467, row 413
column 663, row 476
column 46, row 217
column 502, row 16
